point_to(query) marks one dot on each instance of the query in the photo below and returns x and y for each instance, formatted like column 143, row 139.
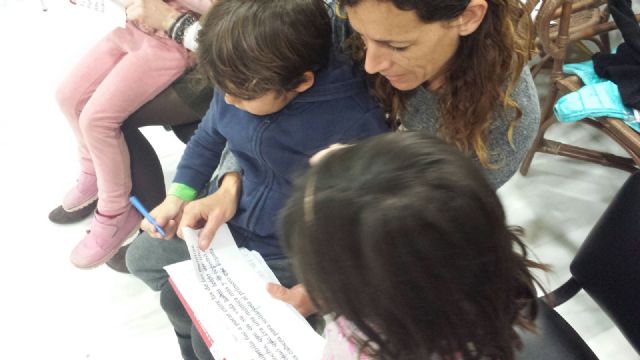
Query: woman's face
column 400, row 46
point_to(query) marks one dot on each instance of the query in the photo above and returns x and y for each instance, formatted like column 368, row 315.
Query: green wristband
column 184, row 192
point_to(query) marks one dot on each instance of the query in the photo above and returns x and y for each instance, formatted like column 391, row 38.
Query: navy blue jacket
column 272, row 150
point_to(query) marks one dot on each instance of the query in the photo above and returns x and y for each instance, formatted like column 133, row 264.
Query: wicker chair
column 559, row 24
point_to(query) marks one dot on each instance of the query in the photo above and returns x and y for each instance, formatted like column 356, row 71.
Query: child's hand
column 211, row 212
column 153, row 13
column 167, row 215
column 297, row 296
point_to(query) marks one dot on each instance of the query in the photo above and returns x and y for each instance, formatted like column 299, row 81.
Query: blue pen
column 138, row 205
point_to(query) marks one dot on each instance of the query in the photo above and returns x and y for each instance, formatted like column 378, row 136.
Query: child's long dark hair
column 403, row 236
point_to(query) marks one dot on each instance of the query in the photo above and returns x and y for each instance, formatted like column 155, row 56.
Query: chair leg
column 526, row 163
column 565, row 292
column 547, row 120
column 606, row 43
column 538, row 144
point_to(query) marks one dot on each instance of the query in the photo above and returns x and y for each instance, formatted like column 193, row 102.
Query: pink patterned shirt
column 339, row 346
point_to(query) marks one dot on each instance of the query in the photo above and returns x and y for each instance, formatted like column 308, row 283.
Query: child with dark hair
column 405, row 242
column 283, row 96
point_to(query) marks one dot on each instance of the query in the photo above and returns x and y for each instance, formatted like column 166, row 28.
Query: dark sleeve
column 370, row 123
column 202, row 154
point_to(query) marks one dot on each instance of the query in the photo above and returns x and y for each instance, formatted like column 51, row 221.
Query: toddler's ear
column 309, row 79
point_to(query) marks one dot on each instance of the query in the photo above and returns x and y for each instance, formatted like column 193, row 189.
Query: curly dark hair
column 249, row 47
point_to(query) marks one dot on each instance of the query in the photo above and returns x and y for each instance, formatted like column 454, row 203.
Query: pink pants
column 121, row 73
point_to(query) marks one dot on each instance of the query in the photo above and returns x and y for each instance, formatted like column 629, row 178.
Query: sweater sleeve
column 228, row 164
column 202, row 154
column 507, row 153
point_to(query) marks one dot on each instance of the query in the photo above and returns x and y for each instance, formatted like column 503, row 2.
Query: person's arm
column 153, row 13
column 181, row 27
column 210, row 212
column 228, row 164
column 200, row 157
column 507, row 151
column 167, row 215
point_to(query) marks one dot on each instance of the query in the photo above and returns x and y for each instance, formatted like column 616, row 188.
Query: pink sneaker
column 84, row 193
column 104, row 238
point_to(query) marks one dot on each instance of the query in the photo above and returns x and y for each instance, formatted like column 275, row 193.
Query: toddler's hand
column 167, row 215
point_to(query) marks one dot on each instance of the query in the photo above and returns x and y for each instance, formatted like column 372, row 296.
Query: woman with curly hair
column 452, row 68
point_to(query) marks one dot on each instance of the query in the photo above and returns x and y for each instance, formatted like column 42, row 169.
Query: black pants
column 180, row 108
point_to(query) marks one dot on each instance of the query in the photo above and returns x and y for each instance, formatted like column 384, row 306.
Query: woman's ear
column 472, row 17
column 309, row 79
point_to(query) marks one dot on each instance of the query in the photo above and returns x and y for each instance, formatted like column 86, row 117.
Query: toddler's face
column 269, row 103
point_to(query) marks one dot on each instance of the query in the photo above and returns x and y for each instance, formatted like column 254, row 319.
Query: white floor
column 52, row 310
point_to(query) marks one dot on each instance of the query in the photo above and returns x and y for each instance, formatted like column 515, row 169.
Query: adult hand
column 317, row 157
column 211, row 212
column 153, row 13
column 297, row 296
column 167, row 215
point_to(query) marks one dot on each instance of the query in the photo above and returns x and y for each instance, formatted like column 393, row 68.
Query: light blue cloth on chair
column 598, row 98
column 585, row 72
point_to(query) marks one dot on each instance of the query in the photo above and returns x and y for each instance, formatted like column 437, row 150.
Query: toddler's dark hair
column 250, row 47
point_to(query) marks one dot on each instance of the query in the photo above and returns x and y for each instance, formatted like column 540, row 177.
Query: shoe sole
column 83, row 205
column 109, row 255
column 61, row 216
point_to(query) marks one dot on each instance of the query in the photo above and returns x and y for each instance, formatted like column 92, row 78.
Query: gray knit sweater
column 422, row 115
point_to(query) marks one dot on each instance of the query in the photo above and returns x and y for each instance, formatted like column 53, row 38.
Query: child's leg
column 150, row 65
column 146, row 259
column 72, row 95
column 78, row 87
column 169, row 108
column 149, row 68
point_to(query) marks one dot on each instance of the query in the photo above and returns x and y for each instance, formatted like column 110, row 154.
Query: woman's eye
column 398, row 48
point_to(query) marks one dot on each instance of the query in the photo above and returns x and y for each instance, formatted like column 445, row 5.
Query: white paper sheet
column 114, row 9
column 229, row 299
